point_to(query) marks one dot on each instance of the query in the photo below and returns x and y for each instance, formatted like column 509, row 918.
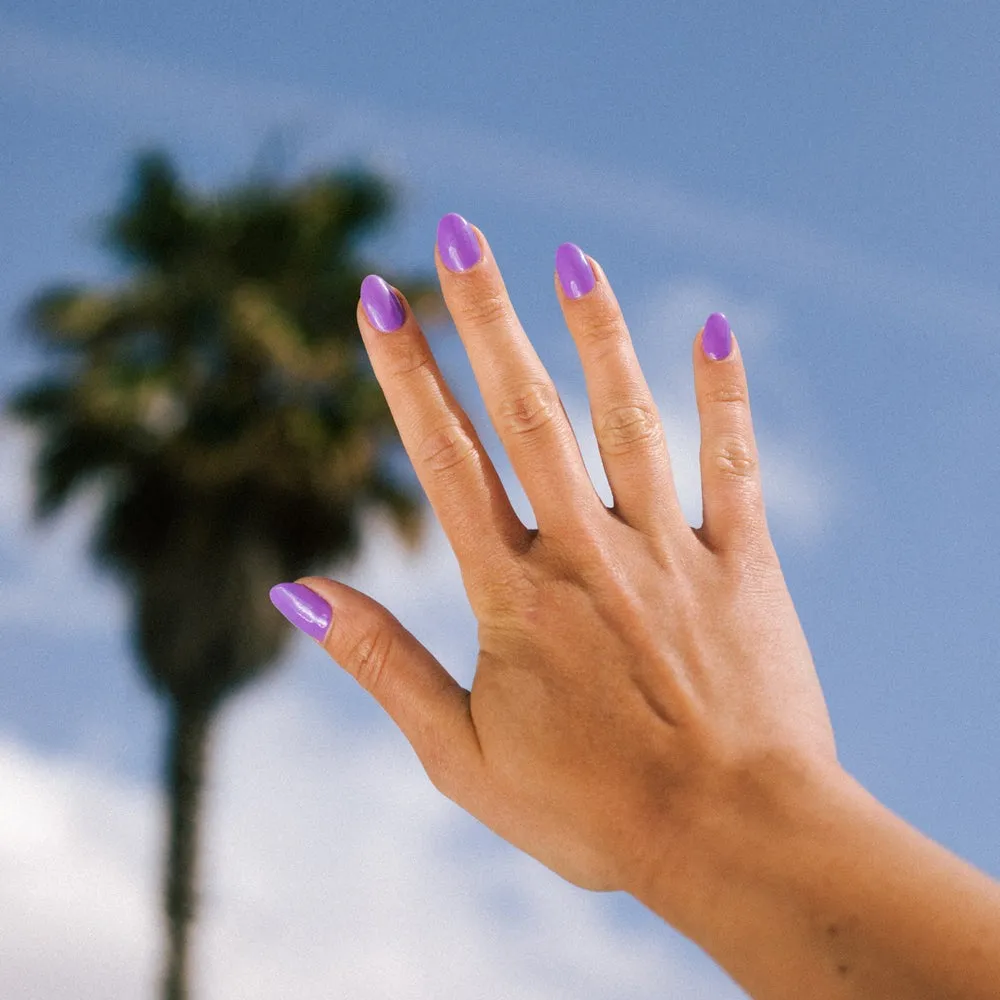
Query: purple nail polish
column 457, row 243
column 303, row 607
column 716, row 340
column 575, row 274
column 381, row 306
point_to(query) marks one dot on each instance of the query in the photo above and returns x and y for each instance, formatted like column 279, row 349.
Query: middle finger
column 520, row 397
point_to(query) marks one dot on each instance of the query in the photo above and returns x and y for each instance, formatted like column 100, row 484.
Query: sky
column 825, row 177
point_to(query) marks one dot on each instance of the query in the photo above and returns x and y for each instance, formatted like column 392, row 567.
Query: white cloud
column 75, row 867
column 331, row 868
column 16, row 448
column 679, row 306
column 46, row 566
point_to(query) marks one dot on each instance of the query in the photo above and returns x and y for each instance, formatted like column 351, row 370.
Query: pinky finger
column 732, row 502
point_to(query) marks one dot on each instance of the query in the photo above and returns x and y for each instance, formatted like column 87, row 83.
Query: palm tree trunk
column 185, row 769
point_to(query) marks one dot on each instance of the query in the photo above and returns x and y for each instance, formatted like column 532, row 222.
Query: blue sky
column 826, row 178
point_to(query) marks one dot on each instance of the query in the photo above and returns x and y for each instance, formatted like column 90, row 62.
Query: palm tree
column 221, row 395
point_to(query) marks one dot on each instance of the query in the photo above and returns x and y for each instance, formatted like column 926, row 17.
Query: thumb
column 371, row 644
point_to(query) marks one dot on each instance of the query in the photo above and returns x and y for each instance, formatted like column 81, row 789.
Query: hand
column 632, row 670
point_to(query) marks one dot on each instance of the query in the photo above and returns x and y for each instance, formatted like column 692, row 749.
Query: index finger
column 457, row 475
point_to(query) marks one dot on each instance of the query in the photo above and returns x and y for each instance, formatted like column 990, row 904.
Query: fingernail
column 381, row 306
column 575, row 274
column 716, row 338
column 457, row 243
column 303, row 607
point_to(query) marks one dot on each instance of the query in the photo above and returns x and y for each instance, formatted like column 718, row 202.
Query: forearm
column 818, row 890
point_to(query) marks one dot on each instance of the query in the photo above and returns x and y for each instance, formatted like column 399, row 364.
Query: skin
column 645, row 714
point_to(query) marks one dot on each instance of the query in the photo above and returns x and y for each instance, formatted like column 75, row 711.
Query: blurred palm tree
column 222, row 396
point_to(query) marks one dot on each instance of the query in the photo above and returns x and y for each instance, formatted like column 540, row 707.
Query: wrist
column 798, row 882
column 734, row 859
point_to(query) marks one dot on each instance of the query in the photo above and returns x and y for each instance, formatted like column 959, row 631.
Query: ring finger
column 626, row 420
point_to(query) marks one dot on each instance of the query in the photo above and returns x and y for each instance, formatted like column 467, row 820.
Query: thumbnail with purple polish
column 457, row 243
column 303, row 607
column 383, row 309
column 716, row 340
column 575, row 273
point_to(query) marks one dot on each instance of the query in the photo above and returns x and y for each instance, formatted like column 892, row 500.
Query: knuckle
column 485, row 308
column 370, row 656
column 445, row 448
column 752, row 563
column 735, row 458
column 503, row 591
column 437, row 766
column 626, row 426
column 728, row 391
column 577, row 556
column 407, row 357
column 602, row 326
column 529, row 408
